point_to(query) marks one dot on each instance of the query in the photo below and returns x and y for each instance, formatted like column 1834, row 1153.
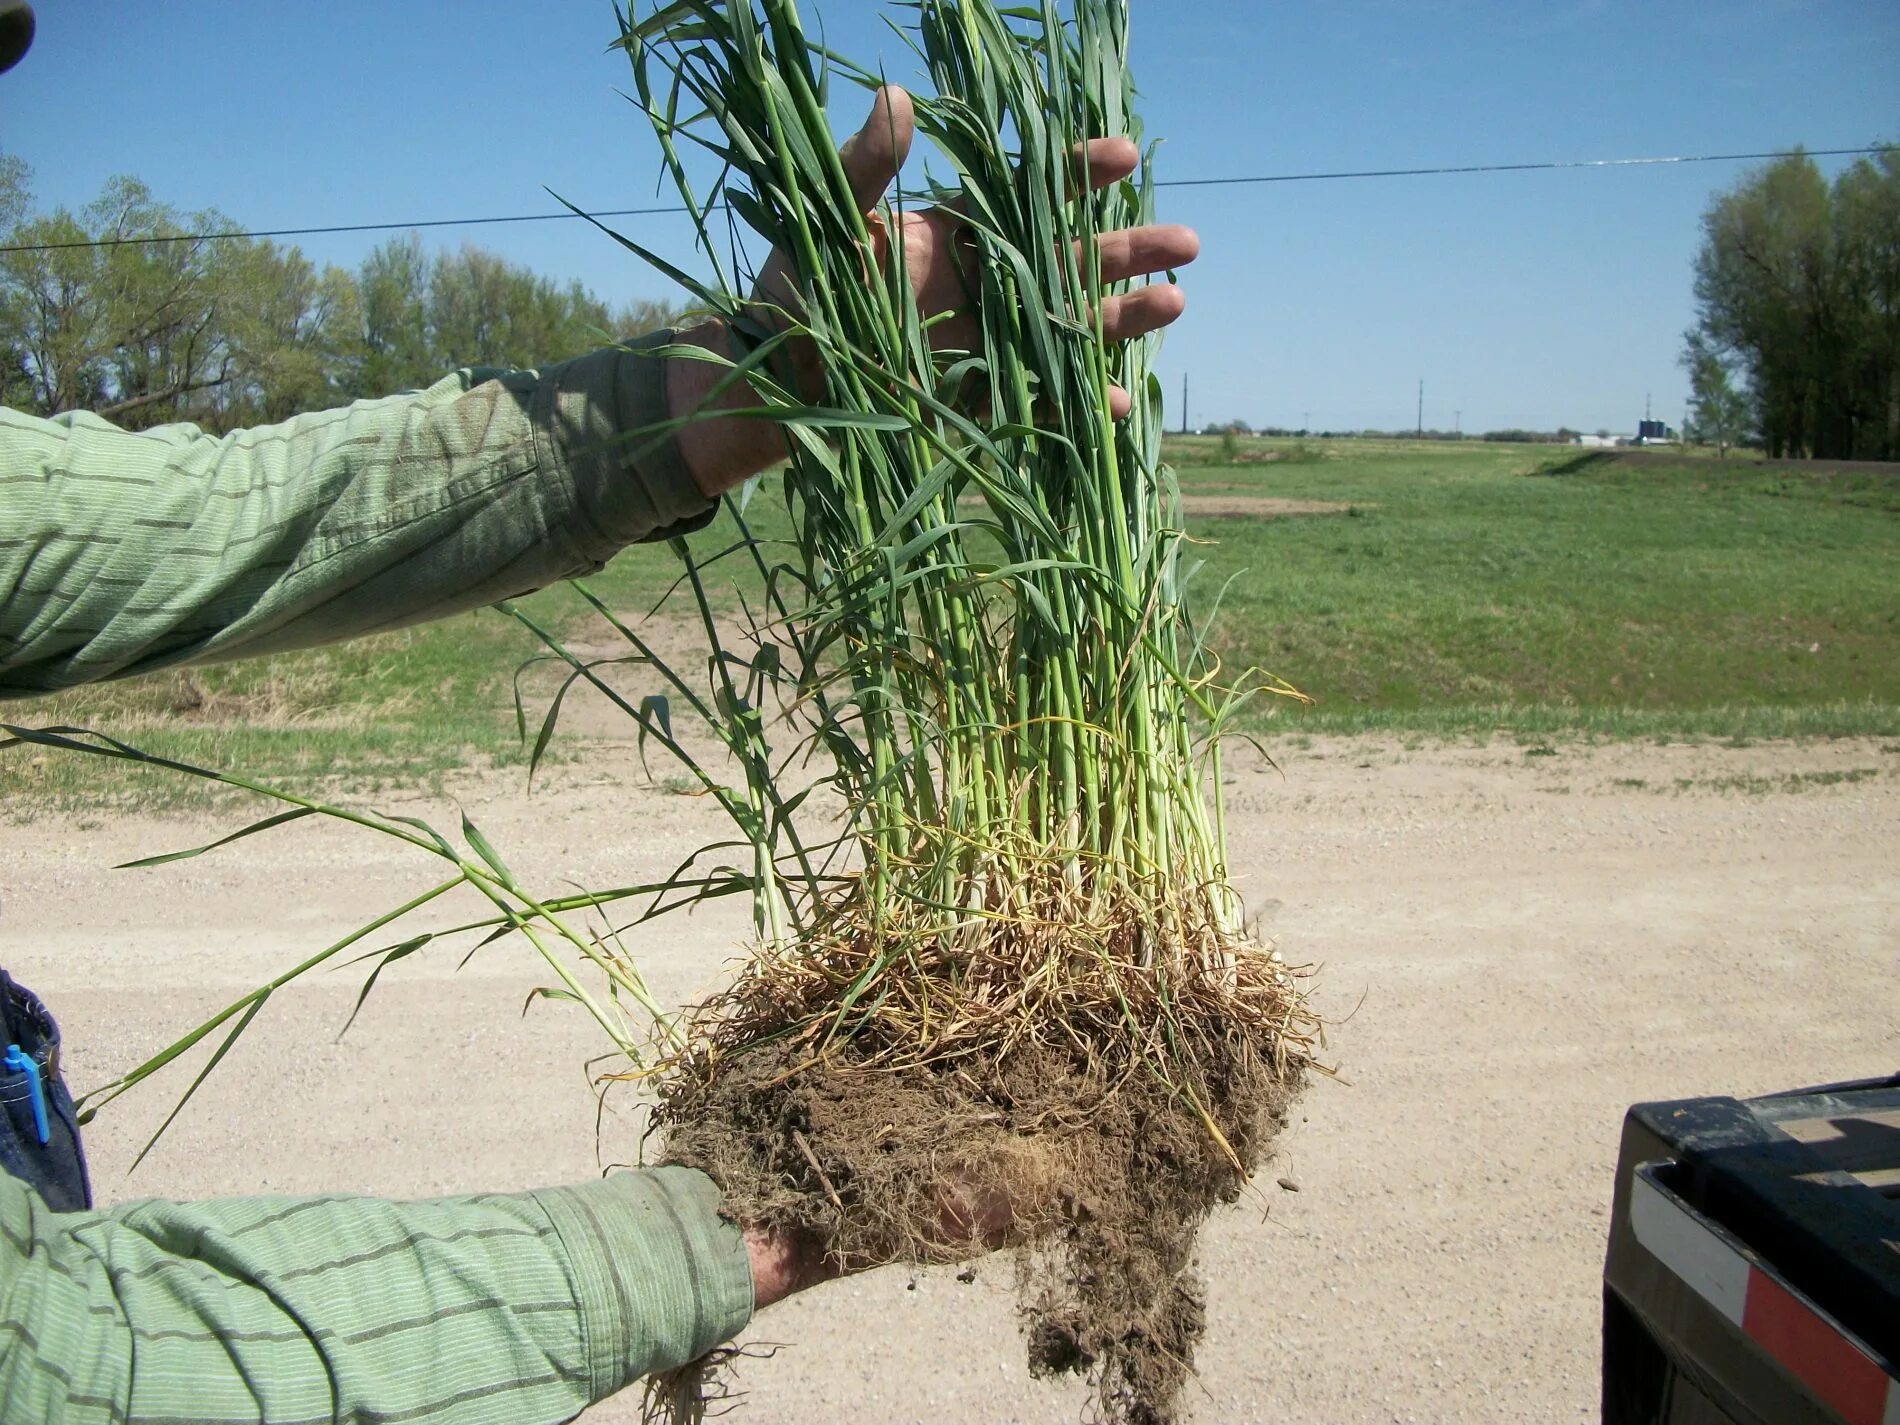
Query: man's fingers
column 1140, row 312
column 1101, row 162
column 872, row 156
column 1140, row 252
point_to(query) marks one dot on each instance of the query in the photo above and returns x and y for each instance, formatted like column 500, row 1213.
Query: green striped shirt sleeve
column 123, row 552
column 502, row 1308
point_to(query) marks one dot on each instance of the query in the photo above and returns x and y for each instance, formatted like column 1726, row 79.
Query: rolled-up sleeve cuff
column 660, row 1275
column 630, row 484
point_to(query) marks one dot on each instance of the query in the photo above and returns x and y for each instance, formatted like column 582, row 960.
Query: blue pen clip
column 21, row 1062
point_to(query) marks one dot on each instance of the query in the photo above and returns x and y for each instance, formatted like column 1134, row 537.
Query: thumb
column 872, row 156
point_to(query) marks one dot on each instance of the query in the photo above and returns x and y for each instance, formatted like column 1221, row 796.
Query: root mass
column 1107, row 1170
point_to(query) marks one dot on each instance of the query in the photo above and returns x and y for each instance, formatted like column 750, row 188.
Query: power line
column 1545, row 166
column 1527, row 167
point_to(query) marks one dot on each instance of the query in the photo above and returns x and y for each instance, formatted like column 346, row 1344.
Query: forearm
column 520, row 1308
column 123, row 552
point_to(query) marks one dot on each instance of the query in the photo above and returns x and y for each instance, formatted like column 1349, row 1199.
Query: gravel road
column 1513, row 944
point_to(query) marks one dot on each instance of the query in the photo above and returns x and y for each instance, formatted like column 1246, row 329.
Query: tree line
column 1796, row 341
column 227, row 332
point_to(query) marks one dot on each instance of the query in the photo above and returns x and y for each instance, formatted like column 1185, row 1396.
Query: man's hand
column 970, row 1221
column 783, row 1262
column 722, row 453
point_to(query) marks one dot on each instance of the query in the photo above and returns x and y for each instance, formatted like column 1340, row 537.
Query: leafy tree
column 1867, row 254
column 294, row 336
column 50, row 313
column 423, row 317
column 643, row 315
column 393, row 296
column 159, row 309
column 1718, row 412
column 1798, row 283
column 15, row 200
column 487, row 311
column 119, row 309
column 116, row 309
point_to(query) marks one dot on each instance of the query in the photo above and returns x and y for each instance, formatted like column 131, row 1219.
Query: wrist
column 721, row 451
column 783, row 1262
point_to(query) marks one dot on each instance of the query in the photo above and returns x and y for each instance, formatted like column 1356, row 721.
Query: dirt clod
column 1107, row 1173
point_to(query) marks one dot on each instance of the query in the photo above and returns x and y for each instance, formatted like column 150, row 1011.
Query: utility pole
column 1457, row 422
column 1184, row 423
column 1421, row 406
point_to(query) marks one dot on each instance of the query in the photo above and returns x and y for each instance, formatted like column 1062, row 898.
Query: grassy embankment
column 1429, row 588
column 1461, row 590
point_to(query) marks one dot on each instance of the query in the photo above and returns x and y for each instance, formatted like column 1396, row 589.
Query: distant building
column 1600, row 440
column 1654, row 433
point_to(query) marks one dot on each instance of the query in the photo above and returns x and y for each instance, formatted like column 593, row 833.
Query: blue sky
column 1521, row 299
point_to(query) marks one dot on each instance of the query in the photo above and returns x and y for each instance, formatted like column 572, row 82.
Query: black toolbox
column 1753, row 1273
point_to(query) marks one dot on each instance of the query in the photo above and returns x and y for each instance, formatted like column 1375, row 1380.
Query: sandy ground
column 1514, row 947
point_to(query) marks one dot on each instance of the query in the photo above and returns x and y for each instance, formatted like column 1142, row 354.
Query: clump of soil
column 1107, row 1171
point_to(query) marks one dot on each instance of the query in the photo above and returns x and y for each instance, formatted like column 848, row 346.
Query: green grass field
column 1430, row 587
column 1462, row 588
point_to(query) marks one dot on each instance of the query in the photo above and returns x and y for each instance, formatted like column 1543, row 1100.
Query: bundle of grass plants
column 1012, row 961
column 968, row 734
